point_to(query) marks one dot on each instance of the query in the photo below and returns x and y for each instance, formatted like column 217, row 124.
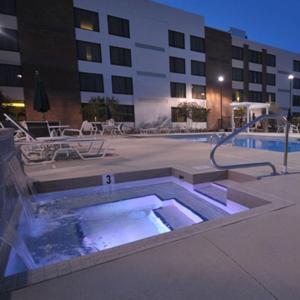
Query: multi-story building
column 148, row 56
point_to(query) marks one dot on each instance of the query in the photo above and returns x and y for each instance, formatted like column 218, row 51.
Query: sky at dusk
column 272, row 22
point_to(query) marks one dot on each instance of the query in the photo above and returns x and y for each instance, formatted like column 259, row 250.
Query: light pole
column 221, row 80
column 287, row 127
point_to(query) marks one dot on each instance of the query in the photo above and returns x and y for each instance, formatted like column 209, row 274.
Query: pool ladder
column 225, row 138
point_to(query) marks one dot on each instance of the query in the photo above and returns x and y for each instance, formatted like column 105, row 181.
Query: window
column 198, row 91
column 177, row 65
column 125, row 113
column 8, row 7
column 237, row 53
column 255, row 57
column 255, row 77
column 178, row 90
column 237, row 74
column 197, row 44
column 255, row 96
column 120, row 56
column 237, row 95
column 10, row 75
column 297, row 65
column 271, row 60
column 9, row 40
column 296, row 83
column 197, row 68
column 90, row 82
column 296, row 100
column 87, row 20
column 271, row 79
column 122, row 85
column 176, row 39
column 177, row 115
column 118, row 26
column 89, row 51
column 271, row 97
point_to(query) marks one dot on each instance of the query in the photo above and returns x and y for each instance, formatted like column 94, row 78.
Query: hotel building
column 149, row 56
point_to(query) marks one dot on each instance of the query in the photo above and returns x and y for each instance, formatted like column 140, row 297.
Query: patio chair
column 38, row 129
column 87, row 128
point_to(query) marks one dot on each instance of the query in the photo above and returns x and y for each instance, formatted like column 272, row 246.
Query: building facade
column 148, row 56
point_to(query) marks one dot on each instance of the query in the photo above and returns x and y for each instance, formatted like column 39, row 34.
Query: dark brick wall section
column 47, row 41
column 246, row 73
column 218, row 62
column 264, row 75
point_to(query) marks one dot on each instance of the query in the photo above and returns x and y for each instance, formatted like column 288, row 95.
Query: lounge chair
column 87, row 128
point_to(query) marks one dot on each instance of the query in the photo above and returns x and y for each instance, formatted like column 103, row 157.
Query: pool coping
column 78, row 264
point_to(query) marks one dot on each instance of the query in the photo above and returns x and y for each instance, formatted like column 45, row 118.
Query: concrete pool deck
column 253, row 257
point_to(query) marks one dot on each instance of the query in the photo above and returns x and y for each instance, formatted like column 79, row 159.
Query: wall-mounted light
column 220, row 78
column 19, row 76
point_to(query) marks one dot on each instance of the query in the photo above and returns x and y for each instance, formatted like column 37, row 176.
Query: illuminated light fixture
column 291, row 77
column 221, row 78
column 86, row 25
column 14, row 104
column 19, row 76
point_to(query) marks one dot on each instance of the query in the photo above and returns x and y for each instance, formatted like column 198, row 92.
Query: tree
column 193, row 111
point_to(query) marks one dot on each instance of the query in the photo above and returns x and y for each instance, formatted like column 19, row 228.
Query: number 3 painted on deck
column 108, row 179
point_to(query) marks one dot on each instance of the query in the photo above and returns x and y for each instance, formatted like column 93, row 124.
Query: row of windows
column 254, row 77
column 89, row 20
column 177, row 65
column 254, row 56
column 177, row 40
column 9, row 40
column 238, row 96
column 90, row 82
column 92, row 52
column 178, row 90
column 8, row 7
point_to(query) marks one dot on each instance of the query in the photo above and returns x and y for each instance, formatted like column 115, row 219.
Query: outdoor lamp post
column 287, row 127
column 221, row 80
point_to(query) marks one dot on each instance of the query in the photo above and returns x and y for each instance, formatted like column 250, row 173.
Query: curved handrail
column 235, row 133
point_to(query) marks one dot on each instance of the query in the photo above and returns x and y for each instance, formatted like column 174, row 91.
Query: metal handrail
column 278, row 116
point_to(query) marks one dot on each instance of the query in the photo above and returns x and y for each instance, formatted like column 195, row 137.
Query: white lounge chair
column 87, row 128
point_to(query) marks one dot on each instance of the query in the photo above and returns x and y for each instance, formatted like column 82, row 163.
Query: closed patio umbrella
column 40, row 101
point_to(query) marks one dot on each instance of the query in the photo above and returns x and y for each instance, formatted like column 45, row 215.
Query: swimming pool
column 252, row 142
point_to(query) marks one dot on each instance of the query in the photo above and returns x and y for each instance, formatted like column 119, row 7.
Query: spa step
column 213, row 191
column 226, row 183
column 173, row 217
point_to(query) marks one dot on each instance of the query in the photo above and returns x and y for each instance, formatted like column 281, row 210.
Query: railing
column 235, row 133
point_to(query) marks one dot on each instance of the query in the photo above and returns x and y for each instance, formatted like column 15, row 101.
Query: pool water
column 79, row 222
column 251, row 142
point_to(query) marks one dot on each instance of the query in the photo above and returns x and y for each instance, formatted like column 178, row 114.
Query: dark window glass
column 8, row 7
column 297, row 65
column 118, row 26
column 178, row 90
column 197, row 68
column 255, row 77
column 122, row 85
column 9, row 40
column 271, row 97
column 199, row 115
column 177, row 65
column 90, row 82
column 237, row 95
column 255, row 57
column 271, row 79
column 85, row 19
column 237, row 53
column 176, row 39
column 296, row 83
column 255, row 96
column 271, row 60
column 10, row 75
column 197, row 44
column 296, row 100
column 198, row 91
column 237, row 74
column 120, row 56
column 125, row 113
column 178, row 116
column 89, row 51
